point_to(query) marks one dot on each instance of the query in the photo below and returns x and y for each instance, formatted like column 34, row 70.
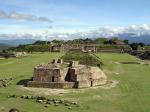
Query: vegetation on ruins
column 43, row 46
column 135, row 46
column 102, row 43
column 32, row 48
column 85, row 58
column 111, row 46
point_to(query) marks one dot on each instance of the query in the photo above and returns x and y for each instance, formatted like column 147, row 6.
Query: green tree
column 101, row 40
column 134, row 46
column 126, row 41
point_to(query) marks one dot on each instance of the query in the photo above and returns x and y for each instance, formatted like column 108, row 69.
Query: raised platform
column 51, row 84
column 65, row 85
column 66, row 75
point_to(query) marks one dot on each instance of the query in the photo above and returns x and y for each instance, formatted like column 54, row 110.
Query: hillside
column 17, row 42
column 4, row 46
column 135, row 39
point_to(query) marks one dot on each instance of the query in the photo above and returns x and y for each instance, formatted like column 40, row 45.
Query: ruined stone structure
column 13, row 54
column 56, row 48
column 58, row 74
column 89, row 47
column 68, row 47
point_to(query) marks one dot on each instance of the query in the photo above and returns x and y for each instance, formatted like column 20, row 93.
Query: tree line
column 43, row 46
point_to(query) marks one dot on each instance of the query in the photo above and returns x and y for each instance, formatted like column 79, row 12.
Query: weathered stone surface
column 63, row 75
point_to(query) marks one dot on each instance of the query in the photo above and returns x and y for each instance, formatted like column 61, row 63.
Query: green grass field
column 132, row 93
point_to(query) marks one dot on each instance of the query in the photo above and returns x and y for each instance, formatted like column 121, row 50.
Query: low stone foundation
column 100, row 81
column 62, row 85
column 87, row 83
column 65, row 85
column 109, row 50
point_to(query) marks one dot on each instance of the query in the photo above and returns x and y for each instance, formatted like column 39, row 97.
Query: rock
column 45, row 101
column 56, row 101
column 28, row 97
column 32, row 97
column 23, row 97
column 41, row 98
column 56, row 104
column 49, row 99
column 61, row 101
column 46, row 106
column 75, row 103
column 11, row 79
column 39, row 101
column 67, row 104
column 5, row 85
column 69, row 108
column 12, row 96
column 49, row 102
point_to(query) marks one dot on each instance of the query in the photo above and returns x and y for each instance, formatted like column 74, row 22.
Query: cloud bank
column 91, row 32
column 13, row 15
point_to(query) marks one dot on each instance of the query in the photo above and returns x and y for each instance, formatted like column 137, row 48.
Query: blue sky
column 23, row 16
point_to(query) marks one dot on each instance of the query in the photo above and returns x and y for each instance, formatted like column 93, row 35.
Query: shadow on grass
column 24, row 82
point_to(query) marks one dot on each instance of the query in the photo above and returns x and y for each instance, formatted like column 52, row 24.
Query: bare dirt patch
column 117, row 63
column 47, row 91
column 110, row 84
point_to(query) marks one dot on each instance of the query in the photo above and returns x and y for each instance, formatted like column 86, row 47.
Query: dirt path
column 45, row 91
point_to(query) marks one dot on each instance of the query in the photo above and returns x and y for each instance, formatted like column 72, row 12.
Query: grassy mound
column 83, row 58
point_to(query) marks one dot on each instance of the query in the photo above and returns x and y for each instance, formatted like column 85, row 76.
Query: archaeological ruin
column 120, row 48
column 13, row 54
column 59, row 74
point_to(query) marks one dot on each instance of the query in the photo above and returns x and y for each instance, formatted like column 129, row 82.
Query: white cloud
column 66, row 34
column 22, row 17
column 18, row 16
column 44, row 19
column 3, row 15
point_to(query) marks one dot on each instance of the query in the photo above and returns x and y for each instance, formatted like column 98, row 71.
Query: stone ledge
column 62, row 85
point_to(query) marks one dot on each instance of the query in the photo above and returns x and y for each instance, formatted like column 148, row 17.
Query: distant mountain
column 17, row 41
column 136, row 38
column 132, row 37
column 4, row 46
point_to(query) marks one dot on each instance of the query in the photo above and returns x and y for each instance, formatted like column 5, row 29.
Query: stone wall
column 63, row 73
column 59, row 75
column 90, row 83
column 88, row 47
column 79, row 73
column 72, row 47
column 108, row 50
column 91, row 48
column 97, row 73
column 47, row 75
column 97, row 82
column 51, row 84
column 83, row 84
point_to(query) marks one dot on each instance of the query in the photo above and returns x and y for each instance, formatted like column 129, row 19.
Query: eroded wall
column 51, row 84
